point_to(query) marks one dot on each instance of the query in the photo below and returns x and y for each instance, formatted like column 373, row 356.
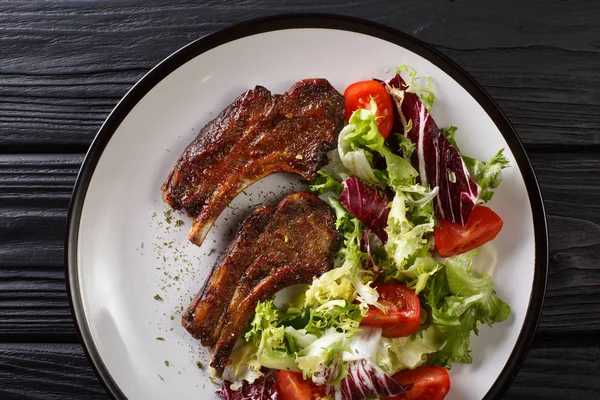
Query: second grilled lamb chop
column 297, row 242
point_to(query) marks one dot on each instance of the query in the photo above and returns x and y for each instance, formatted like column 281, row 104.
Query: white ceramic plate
column 122, row 252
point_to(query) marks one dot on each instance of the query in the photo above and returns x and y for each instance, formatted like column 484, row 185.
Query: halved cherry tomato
column 292, row 386
column 359, row 94
column 430, row 383
column 403, row 313
column 482, row 226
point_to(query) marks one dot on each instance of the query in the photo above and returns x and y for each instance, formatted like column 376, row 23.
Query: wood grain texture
column 559, row 369
column 571, row 188
column 47, row 372
column 34, row 306
column 34, row 197
column 541, row 69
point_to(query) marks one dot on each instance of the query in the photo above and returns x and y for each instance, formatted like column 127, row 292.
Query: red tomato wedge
column 292, row 386
column 482, row 226
column 430, row 383
column 403, row 314
column 359, row 94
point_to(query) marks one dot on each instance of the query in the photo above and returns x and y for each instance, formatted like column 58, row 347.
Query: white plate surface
column 127, row 252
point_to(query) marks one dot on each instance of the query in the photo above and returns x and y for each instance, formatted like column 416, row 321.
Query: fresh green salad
column 398, row 308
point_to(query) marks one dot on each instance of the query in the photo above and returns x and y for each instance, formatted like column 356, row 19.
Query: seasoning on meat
column 257, row 135
column 297, row 244
column 202, row 316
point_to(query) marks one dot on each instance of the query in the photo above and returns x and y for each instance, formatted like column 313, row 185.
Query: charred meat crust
column 202, row 318
column 257, row 135
column 296, row 244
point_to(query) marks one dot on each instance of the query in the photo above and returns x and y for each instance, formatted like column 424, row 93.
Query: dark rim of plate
column 325, row 21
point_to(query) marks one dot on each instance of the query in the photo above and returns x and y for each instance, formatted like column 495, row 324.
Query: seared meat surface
column 202, row 316
column 297, row 244
column 255, row 136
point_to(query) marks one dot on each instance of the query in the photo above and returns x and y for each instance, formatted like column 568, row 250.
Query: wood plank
column 554, row 369
column 34, row 193
column 559, row 369
column 65, row 65
column 34, row 305
column 48, row 372
column 571, row 188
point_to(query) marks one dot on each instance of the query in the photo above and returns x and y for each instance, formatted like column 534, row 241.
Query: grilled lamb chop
column 296, row 245
column 202, row 316
column 257, row 135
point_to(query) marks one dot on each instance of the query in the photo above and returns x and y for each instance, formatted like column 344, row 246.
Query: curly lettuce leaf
column 394, row 354
column 321, row 351
column 274, row 349
column 357, row 144
column 266, row 316
column 480, row 291
column 337, row 314
column 405, row 239
column 405, row 146
column 426, row 93
column 487, row 174
column 244, row 366
column 332, row 285
column 417, row 274
column 325, row 183
column 458, row 303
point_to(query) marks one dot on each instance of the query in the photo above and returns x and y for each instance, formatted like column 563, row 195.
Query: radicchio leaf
column 438, row 162
column 263, row 388
column 366, row 204
column 366, row 380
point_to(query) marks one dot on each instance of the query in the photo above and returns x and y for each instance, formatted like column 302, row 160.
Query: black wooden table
column 65, row 64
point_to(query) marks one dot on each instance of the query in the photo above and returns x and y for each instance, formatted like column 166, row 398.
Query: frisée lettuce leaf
column 394, row 354
column 458, row 303
column 358, row 143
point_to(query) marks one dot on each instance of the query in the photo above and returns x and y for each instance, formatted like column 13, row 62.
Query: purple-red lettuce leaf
column 366, row 380
column 263, row 388
column 367, row 204
column 437, row 161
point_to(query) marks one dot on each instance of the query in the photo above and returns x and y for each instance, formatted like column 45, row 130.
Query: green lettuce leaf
column 487, row 174
column 273, row 348
column 426, row 92
column 332, row 285
column 394, row 354
column 480, row 291
column 458, row 302
column 325, row 183
column 405, row 239
column 244, row 365
column 321, row 351
column 417, row 274
column 358, row 142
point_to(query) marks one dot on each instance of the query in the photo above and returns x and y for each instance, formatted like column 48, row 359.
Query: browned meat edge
column 297, row 245
column 259, row 134
column 203, row 316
